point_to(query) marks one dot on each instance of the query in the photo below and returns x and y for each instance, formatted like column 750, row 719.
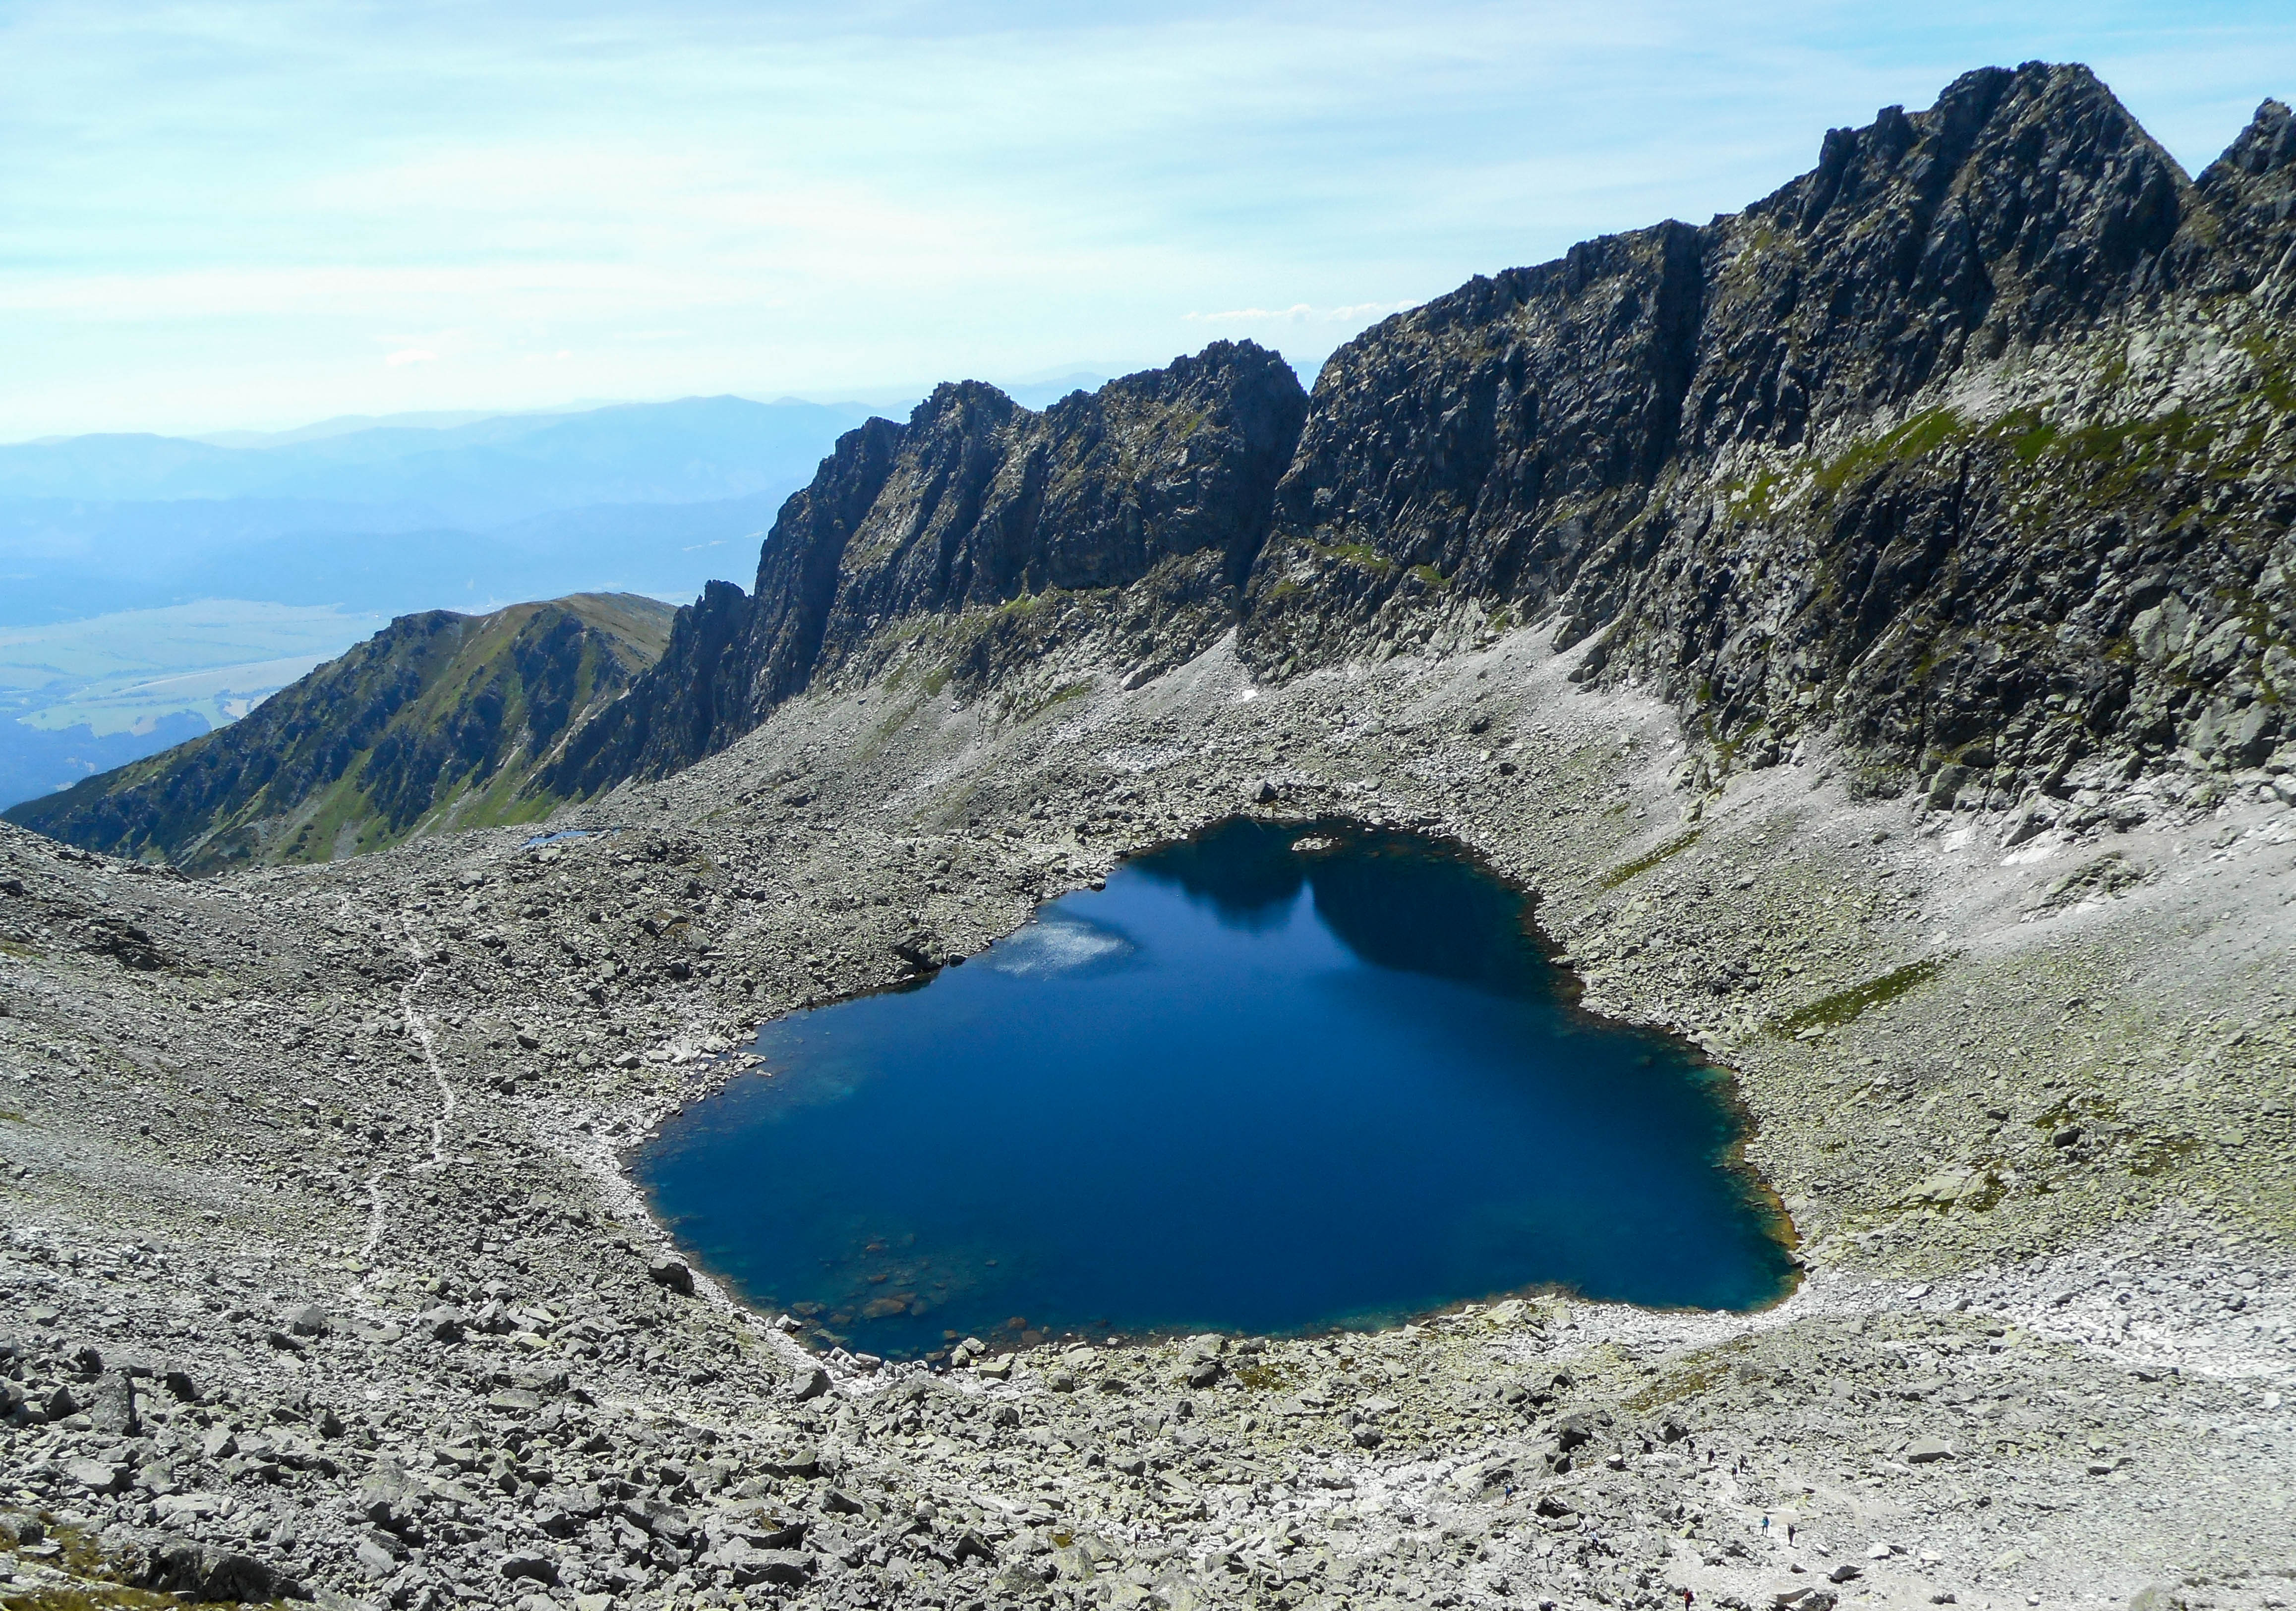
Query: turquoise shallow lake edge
column 1276, row 1077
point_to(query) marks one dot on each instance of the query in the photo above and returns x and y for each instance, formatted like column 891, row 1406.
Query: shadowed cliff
column 1969, row 445
column 1130, row 515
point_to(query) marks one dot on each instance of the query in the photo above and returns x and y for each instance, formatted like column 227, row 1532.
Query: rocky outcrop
column 1969, row 445
column 983, row 532
column 1966, row 447
column 440, row 720
column 2251, row 192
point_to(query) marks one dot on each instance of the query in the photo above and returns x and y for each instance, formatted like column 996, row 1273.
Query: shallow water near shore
column 1273, row 1078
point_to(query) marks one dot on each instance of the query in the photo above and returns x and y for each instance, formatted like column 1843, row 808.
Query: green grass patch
column 1986, row 1196
column 1266, row 1375
column 1917, row 437
column 2161, row 1156
column 2029, row 438
column 2109, row 464
column 86, row 1597
column 1060, row 696
column 1360, row 553
column 1649, row 859
column 1844, row 1005
column 2273, row 375
column 1757, row 496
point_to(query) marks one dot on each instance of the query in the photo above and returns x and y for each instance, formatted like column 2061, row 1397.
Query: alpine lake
column 1274, row 1078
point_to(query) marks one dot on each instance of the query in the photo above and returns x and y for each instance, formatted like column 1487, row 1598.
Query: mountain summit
column 1906, row 449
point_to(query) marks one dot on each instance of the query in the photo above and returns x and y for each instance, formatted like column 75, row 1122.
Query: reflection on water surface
column 1272, row 1078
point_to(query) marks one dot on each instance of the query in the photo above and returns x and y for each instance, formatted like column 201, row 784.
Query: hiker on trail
column 1686, row 1598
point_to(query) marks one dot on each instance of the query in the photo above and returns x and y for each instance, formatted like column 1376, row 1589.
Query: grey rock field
column 1863, row 624
column 322, row 1274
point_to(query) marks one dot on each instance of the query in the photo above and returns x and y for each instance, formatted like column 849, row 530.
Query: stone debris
column 2021, row 1354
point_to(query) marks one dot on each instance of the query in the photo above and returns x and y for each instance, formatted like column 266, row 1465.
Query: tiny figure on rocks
column 1687, row 1597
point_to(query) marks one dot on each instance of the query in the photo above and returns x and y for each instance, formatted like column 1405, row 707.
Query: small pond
column 1274, row 1078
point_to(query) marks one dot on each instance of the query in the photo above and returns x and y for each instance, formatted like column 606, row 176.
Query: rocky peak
column 1876, row 447
column 2267, row 145
column 2251, row 190
column 1163, row 477
column 2022, row 203
column 989, row 500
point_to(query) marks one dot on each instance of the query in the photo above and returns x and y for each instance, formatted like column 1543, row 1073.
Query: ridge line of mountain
column 1968, row 447
column 1567, row 429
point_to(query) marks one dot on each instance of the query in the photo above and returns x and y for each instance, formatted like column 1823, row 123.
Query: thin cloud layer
column 220, row 215
column 1354, row 316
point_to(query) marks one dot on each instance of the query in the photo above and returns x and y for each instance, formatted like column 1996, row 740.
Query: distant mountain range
column 365, row 517
column 485, row 474
column 396, row 517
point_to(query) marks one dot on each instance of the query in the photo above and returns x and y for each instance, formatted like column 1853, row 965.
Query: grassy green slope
column 438, row 722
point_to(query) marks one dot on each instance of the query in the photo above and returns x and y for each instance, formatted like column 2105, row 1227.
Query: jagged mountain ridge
column 437, row 722
column 1791, row 466
column 1968, row 447
column 1129, row 516
column 1906, row 449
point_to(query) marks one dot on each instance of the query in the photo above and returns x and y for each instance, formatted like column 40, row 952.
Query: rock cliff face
column 1971, row 445
column 438, row 720
column 978, row 536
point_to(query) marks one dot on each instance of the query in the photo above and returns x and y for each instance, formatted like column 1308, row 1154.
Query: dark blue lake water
column 1272, row 1079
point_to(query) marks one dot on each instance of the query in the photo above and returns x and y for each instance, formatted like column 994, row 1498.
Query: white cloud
column 210, row 204
column 1301, row 313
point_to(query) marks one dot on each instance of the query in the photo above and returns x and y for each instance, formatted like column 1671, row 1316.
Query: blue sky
column 224, row 215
